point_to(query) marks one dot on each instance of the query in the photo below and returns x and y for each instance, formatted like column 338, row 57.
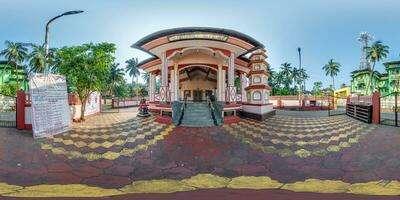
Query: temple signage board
column 50, row 109
column 204, row 36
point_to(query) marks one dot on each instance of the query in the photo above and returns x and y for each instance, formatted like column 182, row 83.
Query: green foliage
column 37, row 58
column 282, row 80
column 375, row 53
column 15, row 53
column 87, row 67
column 122, row 90
column 132, row 68
column 143, row 92
column 116, row 78
column 9, row 89
column 317, row 88
column 287, row 74
column 332, row 69
column 146, row 78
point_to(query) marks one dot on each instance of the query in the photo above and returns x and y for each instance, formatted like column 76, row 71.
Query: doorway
column 197, row 95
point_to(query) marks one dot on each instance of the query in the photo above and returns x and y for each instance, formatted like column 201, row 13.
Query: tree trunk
column 333, row 82
column 16, row 75
column 370, row 79
column 83, row 108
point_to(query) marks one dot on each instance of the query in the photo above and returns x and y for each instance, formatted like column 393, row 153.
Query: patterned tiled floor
column 302, row 137
column 119, row 151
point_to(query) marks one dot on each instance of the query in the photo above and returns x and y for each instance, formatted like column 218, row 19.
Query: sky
column 323, row 29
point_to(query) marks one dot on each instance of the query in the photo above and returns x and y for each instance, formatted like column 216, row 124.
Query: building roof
column 392, row 62
column 172, row 31
column 365, row 70
column 3, row 62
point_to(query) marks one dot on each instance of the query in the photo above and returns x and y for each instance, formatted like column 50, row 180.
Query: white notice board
column 50, row 109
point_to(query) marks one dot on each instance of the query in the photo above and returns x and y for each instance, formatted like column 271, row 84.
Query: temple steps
column 197, row 115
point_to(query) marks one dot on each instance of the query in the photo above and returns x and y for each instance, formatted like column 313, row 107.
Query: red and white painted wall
column 24, row 110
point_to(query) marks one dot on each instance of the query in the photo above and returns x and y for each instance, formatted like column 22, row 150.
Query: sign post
column 50, row 110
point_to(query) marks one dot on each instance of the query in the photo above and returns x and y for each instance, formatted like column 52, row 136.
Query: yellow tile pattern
column 205, row 181
column 125, row 132
column 341, row 132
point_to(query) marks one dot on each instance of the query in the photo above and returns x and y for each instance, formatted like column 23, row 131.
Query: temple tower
column 258, row 89
column 258, row 106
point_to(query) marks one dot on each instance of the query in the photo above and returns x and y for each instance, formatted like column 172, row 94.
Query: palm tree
column 146, row 77
column 331, row 69
column 15, row 53
column 133, row 69
column 304, row 76
column 286, row 72
column 375, row 53
column 296, row 77
column 317, row 88
column 116, row 77
column 37, row 60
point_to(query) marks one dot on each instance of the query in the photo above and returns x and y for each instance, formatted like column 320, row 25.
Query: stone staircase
column 197, row 115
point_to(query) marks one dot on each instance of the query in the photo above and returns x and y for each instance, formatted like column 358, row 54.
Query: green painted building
column 8, row 76
column 385, row 83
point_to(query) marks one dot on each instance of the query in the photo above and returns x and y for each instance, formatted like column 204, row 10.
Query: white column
column 164, row 79
column 176, row 83
column 223, row 85
column 172, row 85
column 152, row 86
column 231, row 91
column 219, row 84
column 231, row 70
column 243, row 85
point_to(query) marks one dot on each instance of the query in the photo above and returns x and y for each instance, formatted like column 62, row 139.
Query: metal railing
column 389, row 109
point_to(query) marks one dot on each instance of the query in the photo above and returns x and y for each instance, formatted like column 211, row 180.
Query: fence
column 389, row 109
column 305, row 103
column 125, row 102
column 7, row 111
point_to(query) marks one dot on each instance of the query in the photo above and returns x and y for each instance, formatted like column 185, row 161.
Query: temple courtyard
column 301, row 154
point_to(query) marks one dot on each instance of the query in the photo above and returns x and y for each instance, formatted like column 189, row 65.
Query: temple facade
column 199, row 64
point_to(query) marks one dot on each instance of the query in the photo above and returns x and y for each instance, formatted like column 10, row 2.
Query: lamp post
column 301, row 76
column 46, row 38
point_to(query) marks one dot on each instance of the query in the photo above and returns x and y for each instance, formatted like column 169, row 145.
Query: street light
column 46, row 39
column 299, row 50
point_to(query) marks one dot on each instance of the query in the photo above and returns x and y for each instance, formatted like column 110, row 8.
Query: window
column 266, row 96
column 256, row 95
column 257, row 67
column 257, row 79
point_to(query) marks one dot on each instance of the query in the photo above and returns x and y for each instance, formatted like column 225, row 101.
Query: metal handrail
column 182, row 113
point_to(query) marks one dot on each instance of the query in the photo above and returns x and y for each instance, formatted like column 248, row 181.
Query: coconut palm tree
column 15, row 53
column 286, row 73
column 375, row 53
column 37, row 60
column 133, row 69
column 146, row 77
column 332, row 69
column 116, row 77
column 304, row 76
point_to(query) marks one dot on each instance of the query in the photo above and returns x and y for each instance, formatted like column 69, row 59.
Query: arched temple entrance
column 196, row 62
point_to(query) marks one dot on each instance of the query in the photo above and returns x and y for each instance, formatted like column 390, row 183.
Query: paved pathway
column 117, row 153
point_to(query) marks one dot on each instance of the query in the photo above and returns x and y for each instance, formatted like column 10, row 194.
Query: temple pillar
column 152, row 86
column 164, row 80
column 219, row 84
column 231, row 90
column 176, row 83
column 243, row 85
